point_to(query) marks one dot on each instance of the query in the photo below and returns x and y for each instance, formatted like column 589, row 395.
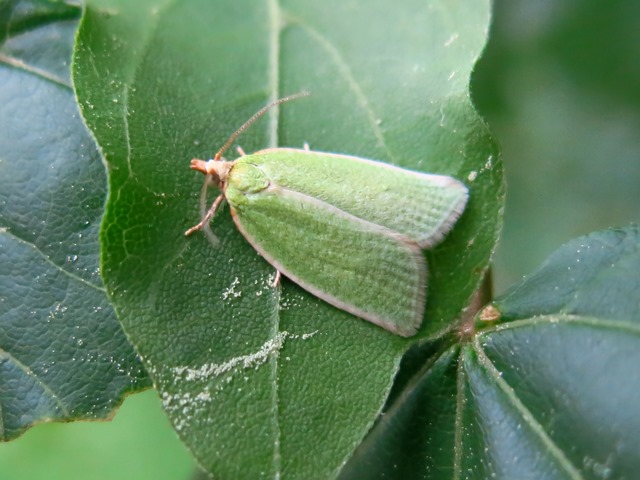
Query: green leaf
column 261, row 381
column 63, row 355
column 592, row 275
column 549, row 393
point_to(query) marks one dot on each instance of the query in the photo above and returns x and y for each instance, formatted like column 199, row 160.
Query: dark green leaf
column 261, row 381
column 592, row 275
column 63, row 355
column 550, row 393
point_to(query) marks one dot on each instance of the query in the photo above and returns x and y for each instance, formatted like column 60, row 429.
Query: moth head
column 217, row 169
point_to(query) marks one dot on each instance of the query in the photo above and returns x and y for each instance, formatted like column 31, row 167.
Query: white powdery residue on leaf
column 290, row 301
column 57, row 311
column 305, row 336
column 266, row 284
column 600, row 470
column 203, row 397
column 252, row 360
column 231, row 291
column 185, row 406
column 489, row 163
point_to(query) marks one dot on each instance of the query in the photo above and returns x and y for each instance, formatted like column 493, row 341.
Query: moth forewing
column 422, row 206
column 359, row 267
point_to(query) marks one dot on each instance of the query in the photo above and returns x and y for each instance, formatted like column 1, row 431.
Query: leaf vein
column 20, row 65
column 53, row 264
column 354, row 86
column 30, row 373
column 525, row 413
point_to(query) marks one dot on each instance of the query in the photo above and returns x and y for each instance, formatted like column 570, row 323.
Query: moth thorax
column 218, row 169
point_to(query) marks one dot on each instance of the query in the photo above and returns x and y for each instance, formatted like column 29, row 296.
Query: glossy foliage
column 262, row 381
column 549, row 391
column 63, row 355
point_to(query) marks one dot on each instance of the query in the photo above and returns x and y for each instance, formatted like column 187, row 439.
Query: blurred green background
column 138, row 444
column 559, row 85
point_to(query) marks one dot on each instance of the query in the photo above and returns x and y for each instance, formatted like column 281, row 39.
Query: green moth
column 349, row 230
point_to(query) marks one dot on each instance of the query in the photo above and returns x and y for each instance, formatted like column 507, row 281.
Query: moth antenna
column 256, row 116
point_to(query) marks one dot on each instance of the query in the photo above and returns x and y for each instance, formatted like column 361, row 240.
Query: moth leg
column 240, row 151
column 207, row 218
column 306, row 147
column 276, row 282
